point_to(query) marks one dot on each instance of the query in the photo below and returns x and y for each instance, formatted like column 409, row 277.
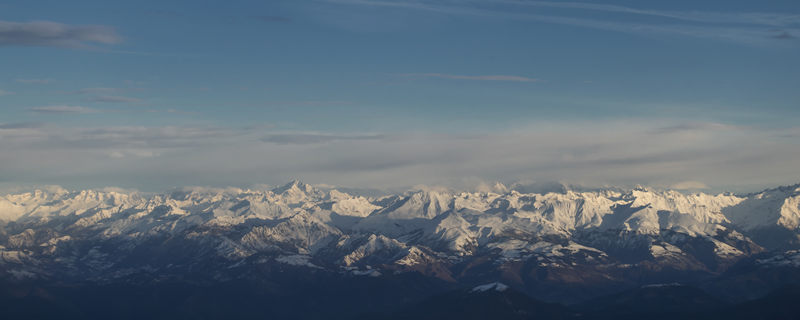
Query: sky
column 151, row 95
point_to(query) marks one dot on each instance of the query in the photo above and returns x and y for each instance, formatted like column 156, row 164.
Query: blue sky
column 152, row 95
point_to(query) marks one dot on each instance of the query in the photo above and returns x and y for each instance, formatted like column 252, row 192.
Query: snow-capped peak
column 417, row 227
column 291, row 185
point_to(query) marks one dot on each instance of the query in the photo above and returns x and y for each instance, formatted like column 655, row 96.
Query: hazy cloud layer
column 627, row 152
column 689, row 185
column 20, row 125
column 314, row 138
column 97, row 90
column 755, row 18
column 472, row 77
column 62, row 109
column 753, row 28
column 53, row 34
column 34, row 81
column 780, row 34
column 115, row 99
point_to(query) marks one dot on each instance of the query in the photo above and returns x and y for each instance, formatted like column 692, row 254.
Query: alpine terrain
column 311, row 251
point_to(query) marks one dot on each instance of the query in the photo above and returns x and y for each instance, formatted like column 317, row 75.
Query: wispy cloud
column 114, row 99
column 780, row 34
column 5, row 93
column 170, row 110
column 135, row 153
column 53, row 34
column 754, row 18
column 472, row 77
column 34, row 81
column 745, row 27
column 305, row 103
column 315, row 138
column 97, row 90
column 620, row 152
column 62, row 109
column 115, row 140
column 106, row 95
column 694, row 127
column 21, row 125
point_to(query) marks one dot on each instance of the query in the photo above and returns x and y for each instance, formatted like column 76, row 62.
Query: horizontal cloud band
column 590, row 153
column 53, row 34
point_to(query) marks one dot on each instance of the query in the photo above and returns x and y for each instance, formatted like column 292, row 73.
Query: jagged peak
column 483, row 188
column 793, row 188
column 425, row 189
column 40, row 192
column 293, row 185
column 335, row 195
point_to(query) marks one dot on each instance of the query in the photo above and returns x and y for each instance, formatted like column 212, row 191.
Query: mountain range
column 562, row 247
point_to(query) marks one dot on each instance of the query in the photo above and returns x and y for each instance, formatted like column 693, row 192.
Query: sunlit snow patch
column 297, row 260
column 496, row 286
column 370, row 273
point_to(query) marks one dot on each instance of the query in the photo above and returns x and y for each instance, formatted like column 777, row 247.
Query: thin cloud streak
column 469, row 77
column 757, row 33
column 115, row 99
column 34, row 81
column 315, row 138
column 754, row 18
column 21, row 125
column 62, row 109
column 699, row 126
column 620, row 152
column 53, row 34
column 97, row 90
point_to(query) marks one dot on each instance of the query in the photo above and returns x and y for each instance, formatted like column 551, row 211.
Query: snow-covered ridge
column 649, row 210
column 303, row 225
